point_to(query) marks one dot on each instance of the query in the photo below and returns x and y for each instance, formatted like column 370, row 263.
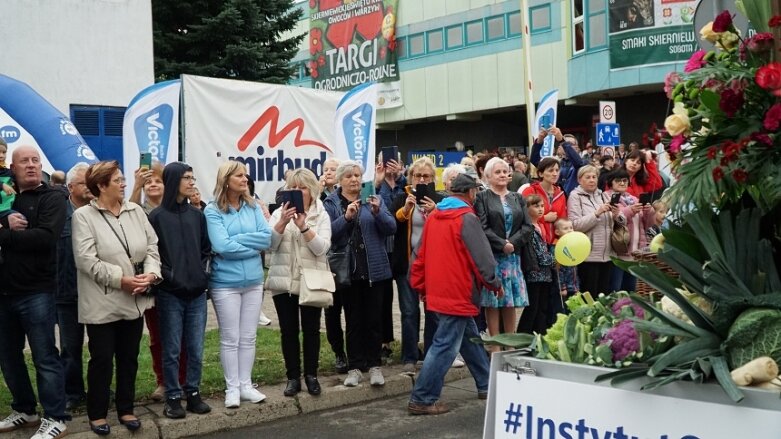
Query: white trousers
column 238, row 310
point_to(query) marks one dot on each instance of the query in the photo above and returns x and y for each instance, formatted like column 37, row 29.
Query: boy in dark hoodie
column 181, row 296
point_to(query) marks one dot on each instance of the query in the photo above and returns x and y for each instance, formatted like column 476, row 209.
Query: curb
column 274, row 407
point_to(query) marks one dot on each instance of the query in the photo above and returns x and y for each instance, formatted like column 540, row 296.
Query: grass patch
column 269, row 366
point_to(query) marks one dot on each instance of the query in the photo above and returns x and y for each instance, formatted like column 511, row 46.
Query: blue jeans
column 452, row 332
column 33, row 316
column 71, row 346
column 409, row 305
column 621, row 280
column 182, row 322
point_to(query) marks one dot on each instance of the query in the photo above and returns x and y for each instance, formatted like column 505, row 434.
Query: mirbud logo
column 357, row 126
column 153, row 131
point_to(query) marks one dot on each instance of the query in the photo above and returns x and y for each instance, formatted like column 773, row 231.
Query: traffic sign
column 608, row 134
column 607, row 111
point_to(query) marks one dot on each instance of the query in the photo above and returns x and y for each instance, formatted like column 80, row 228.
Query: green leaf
column 518, row 340
column 623, row 375
column 686, row 352
column 660, row 328
column 721, row 371
column 668, row 319
column 758, row 13
column 711, row 100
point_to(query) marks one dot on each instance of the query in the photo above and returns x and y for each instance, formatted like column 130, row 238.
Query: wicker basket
column 648, row 257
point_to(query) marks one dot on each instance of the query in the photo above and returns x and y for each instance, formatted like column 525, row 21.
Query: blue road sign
column 608, row 134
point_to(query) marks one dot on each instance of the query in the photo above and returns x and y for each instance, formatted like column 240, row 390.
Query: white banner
column 270, row 128
column 355, row 120
column 546, row 118
column 151, row 124
column 531, row 407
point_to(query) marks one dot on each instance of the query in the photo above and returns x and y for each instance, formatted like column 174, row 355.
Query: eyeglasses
column 118, row 180
column 621, row 180
column 189, row 178
column 422, row 176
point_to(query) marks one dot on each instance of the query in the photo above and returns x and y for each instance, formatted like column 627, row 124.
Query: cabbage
column 755, row 333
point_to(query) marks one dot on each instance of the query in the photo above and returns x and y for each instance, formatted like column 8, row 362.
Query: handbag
column 619, row 238
column 342, row 264
column 316, row 286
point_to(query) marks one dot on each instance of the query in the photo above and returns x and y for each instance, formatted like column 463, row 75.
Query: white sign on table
column 532, row 407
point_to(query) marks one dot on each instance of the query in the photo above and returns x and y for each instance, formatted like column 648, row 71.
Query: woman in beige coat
column 298, row 240
column 115, row 249
column 590, row 211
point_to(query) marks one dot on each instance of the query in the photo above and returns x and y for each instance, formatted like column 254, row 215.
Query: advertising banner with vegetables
column 353, row 43
column 644, row 32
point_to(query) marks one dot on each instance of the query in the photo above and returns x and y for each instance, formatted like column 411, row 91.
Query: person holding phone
column 643, row 173
column 570, row 160
column 299, row 239
column 411, row 210
column 637, row 217
column 360, row 229
column 591, row 213
column 116, row 254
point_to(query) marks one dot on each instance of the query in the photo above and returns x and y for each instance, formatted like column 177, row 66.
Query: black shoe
column 173, row 409
column 131, row 424
column 312, row 385
column 100, row 430
column 74, row 403
column 196, row 405
column 340, row 364
column 292, row 387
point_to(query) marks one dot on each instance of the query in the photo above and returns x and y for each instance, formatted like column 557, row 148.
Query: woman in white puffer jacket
column 298, row 240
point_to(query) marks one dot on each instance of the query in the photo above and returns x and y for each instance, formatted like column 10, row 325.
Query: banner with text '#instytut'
column 353, row 43
column 645, row 32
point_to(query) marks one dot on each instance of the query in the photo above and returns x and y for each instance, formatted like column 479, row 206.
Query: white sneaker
column 375, row 376
column 50, row 429
column 354, row 377
column 263, row 320
column 232, row 398
column 18, row 420
column 251, row 394
column 458, row 362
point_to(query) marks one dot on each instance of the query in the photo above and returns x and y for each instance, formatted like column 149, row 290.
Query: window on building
column 101, row 128
column 495, row 26
column 417, row 45
column 401, row 47
column 514, row 24
column 578, row 31
column 434, row 41
column 474, row 32
column 597, row 24
column 454, row 36
column 540, row 18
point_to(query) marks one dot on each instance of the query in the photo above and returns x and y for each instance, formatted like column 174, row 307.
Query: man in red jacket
column 454, row 262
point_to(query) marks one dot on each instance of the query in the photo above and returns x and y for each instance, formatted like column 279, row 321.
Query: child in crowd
column 7, row 194
column 568, row 276
column 538, row 270
column 661, row 209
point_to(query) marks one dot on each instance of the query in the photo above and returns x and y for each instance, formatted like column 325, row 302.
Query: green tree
column 236, row 39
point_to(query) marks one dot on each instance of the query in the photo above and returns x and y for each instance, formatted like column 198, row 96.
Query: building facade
column 462, row 67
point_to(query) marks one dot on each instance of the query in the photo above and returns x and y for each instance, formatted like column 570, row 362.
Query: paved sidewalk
column 276, row 406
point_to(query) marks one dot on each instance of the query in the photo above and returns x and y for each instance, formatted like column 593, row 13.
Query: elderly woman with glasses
column 115, row 250
column 411, row 211
column 637, row 218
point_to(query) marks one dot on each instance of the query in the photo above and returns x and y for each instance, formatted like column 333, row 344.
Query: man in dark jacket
column 567, row 153
column 67, row 295
column 28, row 280
column 181, row 296
column 453, row 264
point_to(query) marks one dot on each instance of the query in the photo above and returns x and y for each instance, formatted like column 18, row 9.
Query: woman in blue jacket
column 363, row 226
column 238, row 232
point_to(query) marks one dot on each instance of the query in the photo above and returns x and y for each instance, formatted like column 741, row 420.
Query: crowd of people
column 479, row 256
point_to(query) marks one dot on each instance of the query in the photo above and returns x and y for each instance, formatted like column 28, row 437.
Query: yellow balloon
column 572, row 249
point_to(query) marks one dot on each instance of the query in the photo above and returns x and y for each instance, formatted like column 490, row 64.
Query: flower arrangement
column 723, row 133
